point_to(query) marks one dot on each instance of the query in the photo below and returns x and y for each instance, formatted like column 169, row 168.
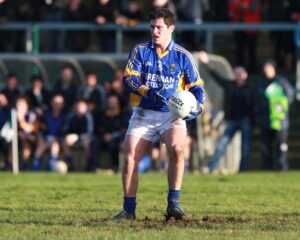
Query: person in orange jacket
column 245, row 11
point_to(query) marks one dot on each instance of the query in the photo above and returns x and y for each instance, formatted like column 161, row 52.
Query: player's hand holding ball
column 183, row 104
column 194, row 114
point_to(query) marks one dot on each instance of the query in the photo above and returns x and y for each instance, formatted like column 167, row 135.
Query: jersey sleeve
column 132, row 75
column 192, row 79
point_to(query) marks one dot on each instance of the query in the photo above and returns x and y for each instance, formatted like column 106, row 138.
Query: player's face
column 91, row 80
column 159, row 3
column 161, row 33
column 37, row 85
column 3, row 100
column 22, row 106
column 12, row 83
column 269, row 71
column 81, row 108
column 67, row 75
column 241, row 75
column 57, row 103
column 113, row 102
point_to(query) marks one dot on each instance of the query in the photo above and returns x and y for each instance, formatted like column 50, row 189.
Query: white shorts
column 149, row 124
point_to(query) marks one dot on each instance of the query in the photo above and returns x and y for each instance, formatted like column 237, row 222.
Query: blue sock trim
column 53, row 158
column 129, row 204
column 51, row 163
column 36, row 163
column 174, row 198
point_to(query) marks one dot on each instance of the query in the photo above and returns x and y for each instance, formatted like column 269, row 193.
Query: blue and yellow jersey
column 171, row 71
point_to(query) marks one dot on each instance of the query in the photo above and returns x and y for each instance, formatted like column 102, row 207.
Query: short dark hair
column 164, row 13
column 90, row 73
column 36, row 78
column 25, row 98
column 66, row 66
column 269, row 62
column 11, row 75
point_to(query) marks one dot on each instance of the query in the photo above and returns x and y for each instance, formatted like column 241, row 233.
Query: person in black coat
column 38, row 95
column 238, row 112
column 78, row 129
column 273, row 95
column 67, row 87
column 76, row 40
column 112, row 127
column 6, row 133
column 103, row 12
column 11, row 90
column 93, row 93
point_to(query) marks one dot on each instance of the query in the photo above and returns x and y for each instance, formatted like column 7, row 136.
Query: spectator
column 245, row 11
column 237, row 112
column 192, row 11
column 117, row 88
column 112, row 127
column 218, row 11
column 4, row 110
column 131, row 16
column 11, row 90
column 79, row 129
column 52, row 133
column 294, row 16
column 56, row 39
column 159, row 154
column 103, row 12
column 66, row 86
column 5, row 131
column 93, row 93
column 23, row 12
column 6, row 15
column 280, row 11
column 191, row 140
column 77, row 40
column 273, row 95
column 28, row 127
column 38, row 95
column 38, row 10
column 164, row 4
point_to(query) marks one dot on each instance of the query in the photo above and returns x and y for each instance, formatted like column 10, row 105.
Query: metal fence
column 33, row 30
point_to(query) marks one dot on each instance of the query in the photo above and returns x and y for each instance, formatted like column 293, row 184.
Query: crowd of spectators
column 132, row 12
column 53, row 121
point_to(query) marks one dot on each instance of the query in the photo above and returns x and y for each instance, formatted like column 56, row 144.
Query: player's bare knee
column 177, row 152
column 129, row 162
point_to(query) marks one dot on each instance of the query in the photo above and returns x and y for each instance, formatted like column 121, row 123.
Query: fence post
column 36, row 39
column 119, row 40
column 15, row 150
column 209, row 41
column 28, row 40
column 297, row 34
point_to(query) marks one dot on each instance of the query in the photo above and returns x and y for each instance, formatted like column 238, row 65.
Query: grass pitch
column 79, row 206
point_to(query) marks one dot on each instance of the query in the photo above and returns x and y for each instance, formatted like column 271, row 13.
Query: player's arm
column 193, row 82
column 132, row 75
column 132, row 79
column 288, row 89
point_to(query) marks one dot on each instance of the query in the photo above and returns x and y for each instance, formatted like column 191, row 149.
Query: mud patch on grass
column 159, row 223
column 224, row 220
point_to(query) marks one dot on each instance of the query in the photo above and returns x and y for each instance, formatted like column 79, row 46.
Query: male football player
column 155, row 70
